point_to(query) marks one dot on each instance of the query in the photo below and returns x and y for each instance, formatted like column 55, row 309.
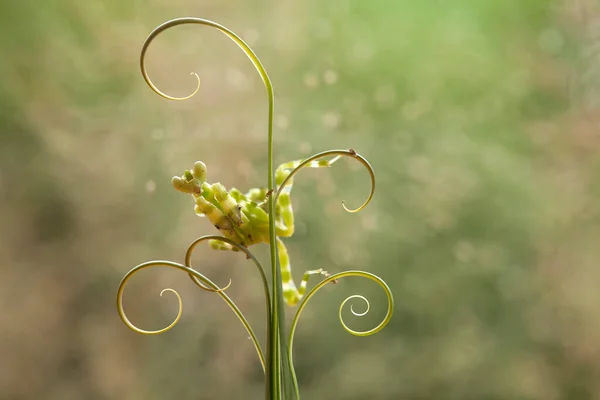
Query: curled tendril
column 189, row 20
column 203, row 282
column 348, row 153
column 190, row 250
column 356, row 296
column 150, row 38
column 128, row 276
column 333, row 278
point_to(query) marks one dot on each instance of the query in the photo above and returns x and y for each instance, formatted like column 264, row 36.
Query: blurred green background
column 481, row 119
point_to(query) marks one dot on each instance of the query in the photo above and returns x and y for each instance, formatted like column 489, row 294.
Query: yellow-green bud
column 200, row 171
column 182, row 185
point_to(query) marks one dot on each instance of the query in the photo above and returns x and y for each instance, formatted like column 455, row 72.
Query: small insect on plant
column 244, row 218
column 261, row 215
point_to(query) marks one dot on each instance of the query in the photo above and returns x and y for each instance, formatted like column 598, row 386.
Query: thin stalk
column 273, row 383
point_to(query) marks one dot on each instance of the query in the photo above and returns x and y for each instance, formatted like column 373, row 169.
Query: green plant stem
column 273, row 383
